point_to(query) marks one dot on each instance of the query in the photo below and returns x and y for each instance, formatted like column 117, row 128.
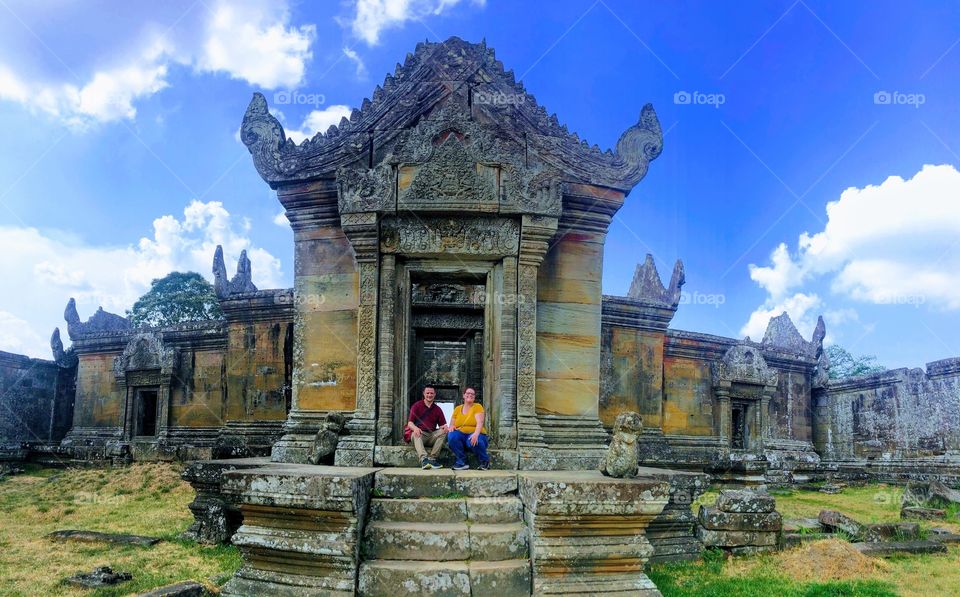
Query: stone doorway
column 145, row 420
column 443, row 341
column 738, row 424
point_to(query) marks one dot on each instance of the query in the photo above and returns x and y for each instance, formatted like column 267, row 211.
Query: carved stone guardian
column 622, row 458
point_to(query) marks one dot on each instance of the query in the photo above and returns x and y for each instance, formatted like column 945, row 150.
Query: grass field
column 143, row 499
column 151, row 499
column 831, row 567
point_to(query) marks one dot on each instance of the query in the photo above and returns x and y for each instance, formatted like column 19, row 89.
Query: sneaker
column 461, row 467
column 425, row 464
column 484, row 466
column 434, row 463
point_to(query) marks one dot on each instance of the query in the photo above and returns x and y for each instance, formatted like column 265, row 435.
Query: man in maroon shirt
column 426, row 425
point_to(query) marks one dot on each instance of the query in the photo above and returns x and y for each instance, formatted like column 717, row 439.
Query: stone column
column 535, row 235
column 508, row 356
column 356, row 448
column 723, row 416
column 325, row 317
column 386, row 383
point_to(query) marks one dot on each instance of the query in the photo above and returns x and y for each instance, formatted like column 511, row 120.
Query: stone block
column 740, row 501
column 834, row 521
column 485, row 483
column 506, row 578
column 181, row 589
column 494, row 510
column 893, row 530
column 414, row 483
column 394, row 578
column 416, row 541
column 713, row 519
column 496, row 542
column 736, row 538
column 424, row 510
column 922, row 513
column 893, row 548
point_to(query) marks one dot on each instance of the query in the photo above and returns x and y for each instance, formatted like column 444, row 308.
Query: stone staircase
column 445, row 533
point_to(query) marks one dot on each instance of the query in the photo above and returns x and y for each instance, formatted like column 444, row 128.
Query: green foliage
column 176, row 298
column 844, row 364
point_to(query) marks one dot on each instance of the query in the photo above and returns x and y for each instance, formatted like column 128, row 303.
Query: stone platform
column 310, row 530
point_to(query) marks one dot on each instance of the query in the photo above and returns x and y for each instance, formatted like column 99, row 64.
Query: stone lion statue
column 326, row 440
column 622, row 458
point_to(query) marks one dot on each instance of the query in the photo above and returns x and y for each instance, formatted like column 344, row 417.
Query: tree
column 175, row 298
column 843, row 364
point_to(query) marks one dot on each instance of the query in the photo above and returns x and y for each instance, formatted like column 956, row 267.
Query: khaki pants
column 434, row 439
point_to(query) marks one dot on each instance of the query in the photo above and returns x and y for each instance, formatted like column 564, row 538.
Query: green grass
column 710, row 578
column 143, row 499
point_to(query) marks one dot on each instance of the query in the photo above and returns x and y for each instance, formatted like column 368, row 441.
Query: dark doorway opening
column 146, row 412
column 738, row 416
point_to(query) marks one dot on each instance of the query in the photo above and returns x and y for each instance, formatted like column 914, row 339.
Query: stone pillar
column 507, row 363
column 356, row 448
column 326, row 297
column 386, row 376
column 588, row 531
column 724, row 415
column 535, row 234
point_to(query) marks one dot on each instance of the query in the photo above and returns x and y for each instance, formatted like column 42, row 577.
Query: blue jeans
column 459, row 442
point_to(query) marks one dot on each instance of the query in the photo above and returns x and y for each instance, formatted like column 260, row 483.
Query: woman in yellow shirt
column 466, row 432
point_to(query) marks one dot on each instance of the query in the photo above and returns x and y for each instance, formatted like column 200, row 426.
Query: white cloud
column 281, row 219
column 317, row 121
column 55, row 267
column 252, row 40
column 374, row 16
column 802, row 308
column 892, row 243
column 357, row 61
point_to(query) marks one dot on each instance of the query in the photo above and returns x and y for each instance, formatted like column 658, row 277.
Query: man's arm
column 414, row 430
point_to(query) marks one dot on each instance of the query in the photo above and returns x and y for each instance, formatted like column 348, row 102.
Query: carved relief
column 365, row 189
column 448, row 294
column 743, row 364
column 451, row 178
column 145, row 351
column 473, row 236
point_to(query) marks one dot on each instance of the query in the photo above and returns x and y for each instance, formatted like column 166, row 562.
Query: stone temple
column 451, row 233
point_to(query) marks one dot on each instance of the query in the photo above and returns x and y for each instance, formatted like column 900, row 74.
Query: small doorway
column 145, row 421
column 738, row 426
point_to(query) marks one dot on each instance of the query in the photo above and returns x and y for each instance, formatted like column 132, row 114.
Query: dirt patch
column 830, row 559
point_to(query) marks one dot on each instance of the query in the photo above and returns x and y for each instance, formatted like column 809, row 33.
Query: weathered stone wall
column 902, row 413
column 568, row 324
column 257, row 371
column 99, row 401
column 35, row 403
column 197, row 398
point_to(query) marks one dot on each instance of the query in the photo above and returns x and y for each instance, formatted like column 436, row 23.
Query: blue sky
column 793, row 172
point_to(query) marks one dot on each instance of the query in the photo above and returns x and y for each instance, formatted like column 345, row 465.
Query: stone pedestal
column 587, row 531
column 216, row 516
column 301, row 529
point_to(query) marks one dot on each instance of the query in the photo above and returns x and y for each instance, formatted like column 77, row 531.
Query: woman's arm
column 476, row 434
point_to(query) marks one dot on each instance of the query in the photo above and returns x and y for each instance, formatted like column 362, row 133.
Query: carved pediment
column 145, row 352
column 743, row 364
column 453, row 72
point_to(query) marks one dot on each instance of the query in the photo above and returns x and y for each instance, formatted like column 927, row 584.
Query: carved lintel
column 493, row 237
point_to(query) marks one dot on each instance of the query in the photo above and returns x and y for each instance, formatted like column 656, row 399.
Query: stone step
column 417, row 483
column 395, row 578
column 444, row 541
column 491, row 510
